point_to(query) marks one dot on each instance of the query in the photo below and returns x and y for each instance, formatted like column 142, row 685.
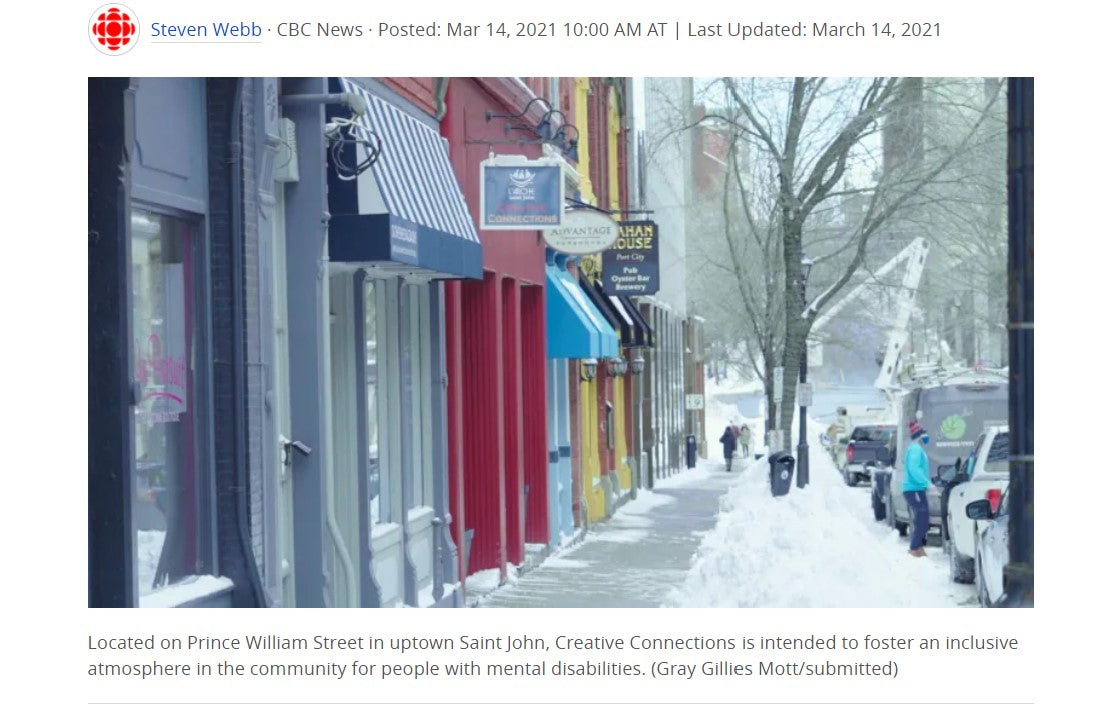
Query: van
column 955, row 411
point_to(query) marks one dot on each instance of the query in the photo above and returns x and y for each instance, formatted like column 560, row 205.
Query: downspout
column 441, row 84
column 240, row 428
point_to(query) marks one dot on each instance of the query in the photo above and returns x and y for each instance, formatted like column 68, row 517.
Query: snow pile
column 816, row 547
column 487, row 580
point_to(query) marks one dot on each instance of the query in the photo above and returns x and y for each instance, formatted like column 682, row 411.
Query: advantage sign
column 521, row 194
column 582, row 232
column 631, row 266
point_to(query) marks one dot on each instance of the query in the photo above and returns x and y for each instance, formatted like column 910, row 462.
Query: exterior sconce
column 589, row 368
column 616, row 367
column 637, row 364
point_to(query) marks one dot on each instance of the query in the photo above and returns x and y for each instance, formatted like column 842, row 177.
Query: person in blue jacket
column 915, row 487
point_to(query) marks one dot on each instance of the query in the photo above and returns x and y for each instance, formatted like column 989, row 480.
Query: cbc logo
column 113, row 29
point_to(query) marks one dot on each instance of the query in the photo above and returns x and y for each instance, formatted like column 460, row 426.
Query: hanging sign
column 582, row 232
column 631, row 266
column 521, row 194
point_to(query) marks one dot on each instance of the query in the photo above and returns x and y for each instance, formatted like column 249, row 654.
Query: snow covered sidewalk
column 634, row 558
column 816, row 547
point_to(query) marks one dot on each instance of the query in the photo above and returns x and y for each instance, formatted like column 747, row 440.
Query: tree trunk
column 795, row 329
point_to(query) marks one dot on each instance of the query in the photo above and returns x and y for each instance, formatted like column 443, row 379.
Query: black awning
column 630, row 334
column 600, row 300
column 647, row 339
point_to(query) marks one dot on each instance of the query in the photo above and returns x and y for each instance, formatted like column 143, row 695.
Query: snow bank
column 816, row 547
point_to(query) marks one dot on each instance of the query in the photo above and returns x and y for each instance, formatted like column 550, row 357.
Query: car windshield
column 956, row 415
column 997, row 459
column 871, row 434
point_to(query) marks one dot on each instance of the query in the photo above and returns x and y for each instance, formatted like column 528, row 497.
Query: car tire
column 878, row 506
column 979, row 578
column 962, row 569
column 850, row 479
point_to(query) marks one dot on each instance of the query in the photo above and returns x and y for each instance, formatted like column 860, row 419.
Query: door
column 279, row 392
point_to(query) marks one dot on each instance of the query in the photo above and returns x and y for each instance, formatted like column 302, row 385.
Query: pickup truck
column 870, row 446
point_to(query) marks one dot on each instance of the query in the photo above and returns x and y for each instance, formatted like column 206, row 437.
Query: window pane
column 165, row 502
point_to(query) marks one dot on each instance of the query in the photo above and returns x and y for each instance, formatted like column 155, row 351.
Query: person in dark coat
column 729, row 444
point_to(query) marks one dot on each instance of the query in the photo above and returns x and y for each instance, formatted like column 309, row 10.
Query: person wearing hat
column 729, row 443
column 915, row 487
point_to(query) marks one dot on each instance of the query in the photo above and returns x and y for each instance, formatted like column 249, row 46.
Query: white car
column 991, row 555
column 984, row 476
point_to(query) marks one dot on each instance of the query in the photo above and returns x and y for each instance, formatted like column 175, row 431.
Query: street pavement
column 634, row 558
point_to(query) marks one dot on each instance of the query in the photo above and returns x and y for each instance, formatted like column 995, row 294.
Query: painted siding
column 456, row 440
column 514, row 467
column 418, row 90
column 534, row 411
column 513, row 253
column 484, row 490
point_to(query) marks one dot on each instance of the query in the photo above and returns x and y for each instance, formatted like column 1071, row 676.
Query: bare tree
column 816, row 144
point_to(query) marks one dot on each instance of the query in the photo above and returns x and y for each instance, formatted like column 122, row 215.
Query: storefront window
column 165, row 501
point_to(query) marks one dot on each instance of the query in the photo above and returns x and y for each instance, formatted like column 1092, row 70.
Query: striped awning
column 412, row 193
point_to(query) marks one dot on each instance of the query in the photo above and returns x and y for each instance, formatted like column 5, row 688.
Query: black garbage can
column 782, row 471
column 692, row 449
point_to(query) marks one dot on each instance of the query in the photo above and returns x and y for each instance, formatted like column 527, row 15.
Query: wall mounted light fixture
column 589, row 367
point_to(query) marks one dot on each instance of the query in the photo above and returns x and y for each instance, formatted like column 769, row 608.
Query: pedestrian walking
column 915, row 487
column 729, row 443
column 745, row 439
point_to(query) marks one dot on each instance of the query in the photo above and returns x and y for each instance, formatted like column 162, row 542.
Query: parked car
column 868, row 447
column 984, row 475
column 991, row 548
column 955, row 411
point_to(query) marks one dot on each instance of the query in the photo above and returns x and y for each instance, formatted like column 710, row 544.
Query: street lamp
column 803, row 448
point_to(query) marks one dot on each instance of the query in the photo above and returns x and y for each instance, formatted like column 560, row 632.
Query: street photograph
column 560, row 342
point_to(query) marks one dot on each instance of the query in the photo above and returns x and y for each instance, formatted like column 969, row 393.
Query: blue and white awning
column 408, row 208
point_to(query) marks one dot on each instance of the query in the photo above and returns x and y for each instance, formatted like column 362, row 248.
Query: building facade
column 315, row 381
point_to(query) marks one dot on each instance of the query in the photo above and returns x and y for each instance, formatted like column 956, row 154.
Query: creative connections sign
column 521, row 194
column 631, row 266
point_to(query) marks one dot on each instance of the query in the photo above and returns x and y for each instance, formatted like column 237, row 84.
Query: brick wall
column 232, row 562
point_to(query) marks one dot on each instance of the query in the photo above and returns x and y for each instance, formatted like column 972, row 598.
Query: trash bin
column 691, row 449
column 782, row 470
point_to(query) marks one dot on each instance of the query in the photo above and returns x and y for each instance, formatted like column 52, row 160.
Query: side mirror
column 945, row 473
column 979, row 509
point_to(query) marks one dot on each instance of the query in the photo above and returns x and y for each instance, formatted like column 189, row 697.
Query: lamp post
column 803, row 448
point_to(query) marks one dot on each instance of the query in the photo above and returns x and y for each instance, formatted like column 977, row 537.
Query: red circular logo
column 114, row 29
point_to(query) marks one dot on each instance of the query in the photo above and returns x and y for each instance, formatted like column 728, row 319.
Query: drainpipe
column 441, row 84
column 240, row 428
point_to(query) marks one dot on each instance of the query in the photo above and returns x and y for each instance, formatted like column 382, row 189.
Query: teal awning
column 575, row 329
